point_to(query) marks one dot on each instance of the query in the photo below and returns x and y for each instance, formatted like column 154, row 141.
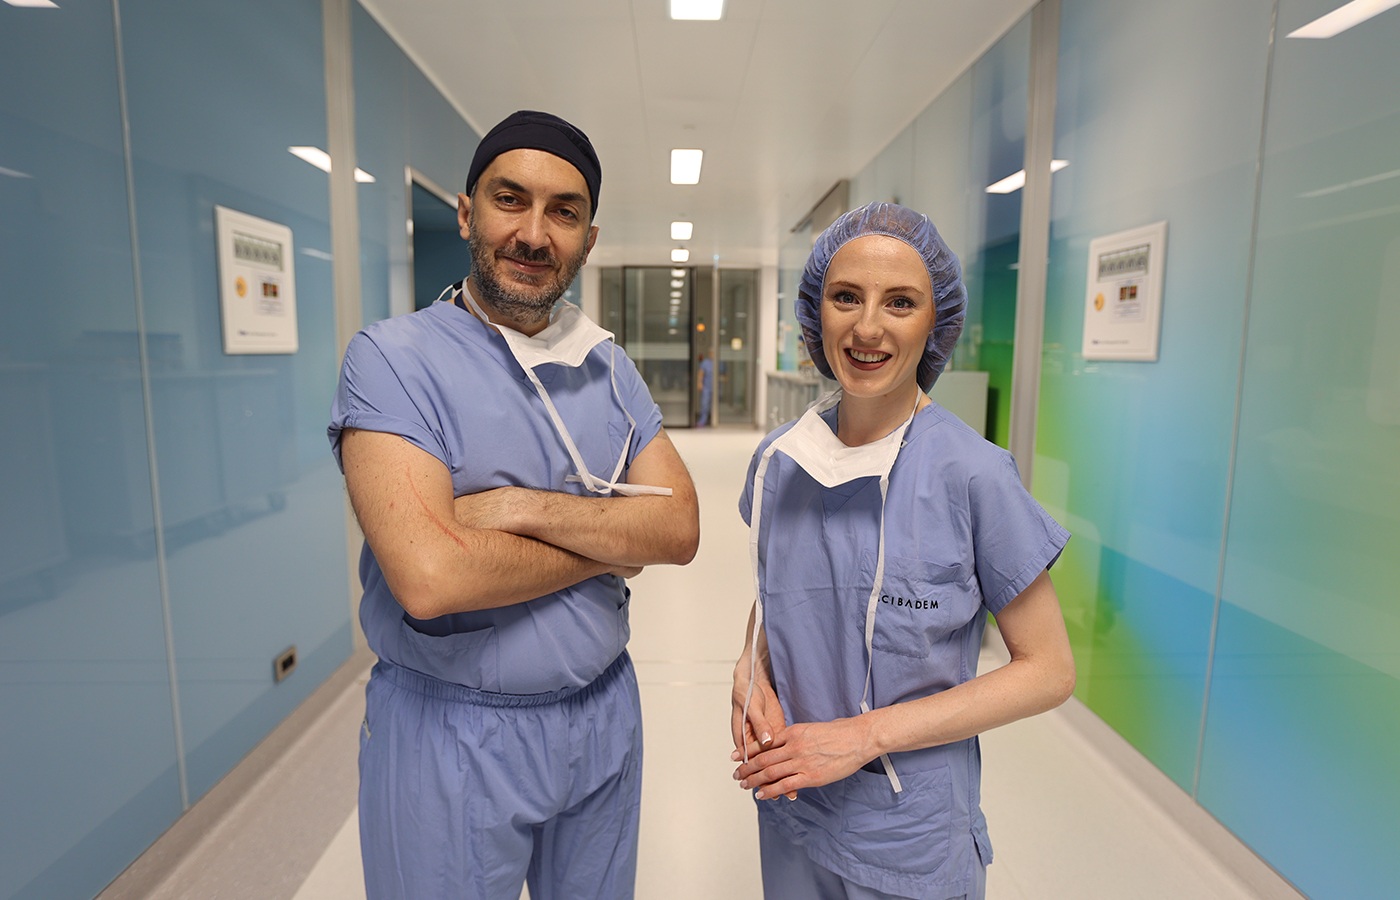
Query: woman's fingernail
column 734, row 757
column 760, row 796
column 766, row 739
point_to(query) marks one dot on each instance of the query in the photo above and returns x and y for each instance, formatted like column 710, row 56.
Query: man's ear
column 592, row 239
column 464, row 216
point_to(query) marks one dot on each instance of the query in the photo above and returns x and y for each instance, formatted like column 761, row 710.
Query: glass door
column 657, row 305
column 736, row 330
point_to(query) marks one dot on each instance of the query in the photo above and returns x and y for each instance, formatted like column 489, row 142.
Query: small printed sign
column 257, row 284
column 1123, row 302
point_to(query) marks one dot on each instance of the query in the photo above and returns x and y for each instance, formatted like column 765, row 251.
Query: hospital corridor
column 1065, row 819
column 354, row 354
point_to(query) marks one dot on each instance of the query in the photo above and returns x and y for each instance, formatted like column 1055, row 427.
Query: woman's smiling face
column 877, row 313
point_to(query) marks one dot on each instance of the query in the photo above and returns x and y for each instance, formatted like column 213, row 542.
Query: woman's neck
column 861, row 420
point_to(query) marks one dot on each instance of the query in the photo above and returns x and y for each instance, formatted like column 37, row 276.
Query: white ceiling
column 784, row 96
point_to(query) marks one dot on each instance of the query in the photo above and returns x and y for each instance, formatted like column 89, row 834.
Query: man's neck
column 496, row 317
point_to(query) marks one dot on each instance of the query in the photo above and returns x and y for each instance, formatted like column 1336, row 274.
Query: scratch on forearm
column 432, row 515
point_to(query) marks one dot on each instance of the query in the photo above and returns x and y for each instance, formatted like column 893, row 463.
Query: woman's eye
column 902, row 303
column 843, row 297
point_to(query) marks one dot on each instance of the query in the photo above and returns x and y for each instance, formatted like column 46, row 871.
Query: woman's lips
column 866, row 360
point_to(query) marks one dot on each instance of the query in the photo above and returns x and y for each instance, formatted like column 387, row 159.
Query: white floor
column 1065, row 823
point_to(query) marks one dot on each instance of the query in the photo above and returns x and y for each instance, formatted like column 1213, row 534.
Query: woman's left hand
column 809, row 754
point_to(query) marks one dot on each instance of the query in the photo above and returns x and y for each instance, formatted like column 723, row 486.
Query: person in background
column 705, row 373
column 882, row 532
column 509, row 470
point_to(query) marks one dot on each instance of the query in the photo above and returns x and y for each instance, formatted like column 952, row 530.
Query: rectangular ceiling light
column 1013, row 183
column 685, row 166
column 1342, row 18
column 678, row 273
column 697, row 10
column 680, row 255
column 681, row 231
column 322, row 160
column 34, row 4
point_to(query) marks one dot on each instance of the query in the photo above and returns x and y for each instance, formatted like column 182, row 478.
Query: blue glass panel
column 251, row 503
column 1134, row 457
column 88, row 756
column 1304, row 718
column 792, row 258
column 998, row 148
column 440, row 143
column 381, row 148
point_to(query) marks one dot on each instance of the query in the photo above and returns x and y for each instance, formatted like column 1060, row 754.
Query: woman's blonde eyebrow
column 905, row 288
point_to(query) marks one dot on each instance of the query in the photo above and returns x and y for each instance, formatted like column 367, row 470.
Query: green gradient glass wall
column 997, row 147
column 1133, row 457
column 1300, row 751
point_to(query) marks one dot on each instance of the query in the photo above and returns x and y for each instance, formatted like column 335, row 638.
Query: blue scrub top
column 962, row 538
column 446, row 383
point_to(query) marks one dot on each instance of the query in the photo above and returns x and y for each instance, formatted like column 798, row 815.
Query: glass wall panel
column 440, row 256
column 88, row 753
column 1133, row 457
column 738, row 305
column 792, row 257
column 703, row 295
column 252, row 506
column 610, row 302
column 997, row 150
column 381, row 149
column 658, row 311
column 402, row 122
column 1304, row 717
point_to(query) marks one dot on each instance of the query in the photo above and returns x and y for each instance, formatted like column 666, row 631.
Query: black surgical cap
column 531, row 130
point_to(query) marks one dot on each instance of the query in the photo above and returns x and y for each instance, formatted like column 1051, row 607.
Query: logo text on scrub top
column 908, row 603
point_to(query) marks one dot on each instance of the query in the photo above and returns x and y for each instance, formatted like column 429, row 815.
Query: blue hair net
column 944, row 275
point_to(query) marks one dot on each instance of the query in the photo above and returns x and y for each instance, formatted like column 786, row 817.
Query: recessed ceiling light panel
column 697, row 10
column 685, row 166
column 1342, row 18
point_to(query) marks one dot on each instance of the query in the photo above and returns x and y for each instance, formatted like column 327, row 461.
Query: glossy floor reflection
column 1065, row 823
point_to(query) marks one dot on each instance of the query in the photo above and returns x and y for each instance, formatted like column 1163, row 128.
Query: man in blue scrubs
column 509, row 470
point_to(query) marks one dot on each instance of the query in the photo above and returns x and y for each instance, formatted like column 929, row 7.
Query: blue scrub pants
column 790, row 874
column 468, row 794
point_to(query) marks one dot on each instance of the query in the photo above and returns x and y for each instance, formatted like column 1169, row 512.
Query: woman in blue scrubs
column 882, row 531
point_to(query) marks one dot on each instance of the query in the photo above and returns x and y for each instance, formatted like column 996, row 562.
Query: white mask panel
column 815, row 447
column 565, row 341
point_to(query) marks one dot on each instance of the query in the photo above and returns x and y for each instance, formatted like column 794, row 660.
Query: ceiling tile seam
column 748, row 68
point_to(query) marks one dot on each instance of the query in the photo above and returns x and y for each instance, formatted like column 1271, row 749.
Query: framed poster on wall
column 1123, row 303
column 257, row 284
